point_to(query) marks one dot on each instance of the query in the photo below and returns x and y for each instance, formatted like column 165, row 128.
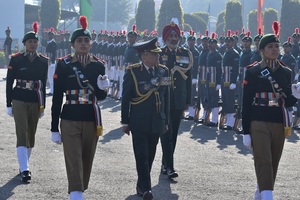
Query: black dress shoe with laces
column 148, row 195
column 139, row 191
column 228, row 127
column 172, row 174
column 26, row 176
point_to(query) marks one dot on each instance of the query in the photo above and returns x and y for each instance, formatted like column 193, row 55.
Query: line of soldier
column 218, row 75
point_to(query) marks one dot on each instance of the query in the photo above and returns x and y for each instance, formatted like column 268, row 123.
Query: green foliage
column 289, row 18
column 252, row 22
column 168, row 10
column 2, row 59
column 203, row 15
column 233, row 16
column 270, row 15
column 220, row 23
column 145, row 16
column 198, row 24
column 49, row 13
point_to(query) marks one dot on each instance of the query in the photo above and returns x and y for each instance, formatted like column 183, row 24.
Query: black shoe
column 228, row 127
column 49, row 94
column 189, row 117
column 212, row 124
column 4, row 78
column 163, row 170
column 200, row 121
column 172, row 174
column 26, row 176
column 148, row 195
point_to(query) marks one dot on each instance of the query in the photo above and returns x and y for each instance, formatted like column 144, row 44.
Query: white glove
column 9, row 111
column 41, row 115
column 55, row 137
column 103, row 82
column 232, row 86
column 218, row 87
column 194, row 81
column 296, row 90
column 247, row 141
column 296, row 77
column 52, row 65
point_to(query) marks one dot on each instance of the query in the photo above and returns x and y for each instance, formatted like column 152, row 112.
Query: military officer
column 230, row 71
column 214, row 73
column 51, row 48
column 26, row 101
column 179, row 60
column 267, row 94
column 191, row 40
column 81, row 77
column 145, row 109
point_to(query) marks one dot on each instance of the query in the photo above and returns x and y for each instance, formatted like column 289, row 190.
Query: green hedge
column 2, row 59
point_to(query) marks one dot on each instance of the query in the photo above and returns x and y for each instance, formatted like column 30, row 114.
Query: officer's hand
column 232, row 86
column 9, row 111
column 41, row 115
column 218, row 87
column 103, row 82
column 125, row 129
column 55, row 137
column 296, row 90
column 165, row 129
column 194, row 81
column 247, row 141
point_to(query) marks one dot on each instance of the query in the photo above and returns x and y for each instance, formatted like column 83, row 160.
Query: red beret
column 168, row 29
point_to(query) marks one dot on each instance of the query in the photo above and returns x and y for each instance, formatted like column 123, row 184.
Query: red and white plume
column 276, row 28
column 133, row 27
column 83, row 22
column 297, row 30
column 35, row 27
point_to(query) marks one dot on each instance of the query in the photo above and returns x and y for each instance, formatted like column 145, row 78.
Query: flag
column 259, row 14
column 86, row 9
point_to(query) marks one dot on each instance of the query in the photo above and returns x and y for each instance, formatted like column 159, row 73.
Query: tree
column 220, row 23
column 145, row 16
column 198, row 24
column 49, row 13
column 203, row 15
column 252, row 22
column 168, row 10
column 233, row 15
column 270, row 15
column 289, row 18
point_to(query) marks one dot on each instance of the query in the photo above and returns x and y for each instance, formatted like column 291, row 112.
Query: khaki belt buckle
column 28, row 85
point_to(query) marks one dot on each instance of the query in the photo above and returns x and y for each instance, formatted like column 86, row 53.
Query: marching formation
column 249, row 88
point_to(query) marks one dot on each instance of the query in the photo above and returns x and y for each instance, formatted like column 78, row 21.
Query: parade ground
column 212, row 164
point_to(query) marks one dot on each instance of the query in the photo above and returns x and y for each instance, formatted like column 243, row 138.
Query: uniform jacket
column 51, row 50
column 256, row 57
column 131, row 55
column 290, row 61
column 231, row 59
column 65, row 79
column 295, row 50
column 214, row 63
column 149, row 113
column 195, row 53
column 180, row 94
column 21, row 68
column 255, row 82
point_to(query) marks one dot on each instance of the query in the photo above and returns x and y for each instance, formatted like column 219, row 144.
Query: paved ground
column 212, row 164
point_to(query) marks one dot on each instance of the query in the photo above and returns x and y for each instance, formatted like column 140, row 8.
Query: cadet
column 295, row 43
column 213, row 63
column 202, row 80
column 51, row 53
column 256, row 53
column 130, row 56
column 26, row 101
column 145, row 109
column 267, row 94
column 222, row 47
column 229, row 78
column 191, row 44
column 81, row 78
column 121, row 53
column 179, row 60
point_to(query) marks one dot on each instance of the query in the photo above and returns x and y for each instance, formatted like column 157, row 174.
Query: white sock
column 215, row 115
column 22, row 158
column 191, row 111
column 76, row 195
column 267, row 195
column 230, row 119
column 257, row 195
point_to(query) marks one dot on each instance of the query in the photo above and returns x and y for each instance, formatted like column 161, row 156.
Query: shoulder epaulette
column 282, row 63
column 133, row 66
column 16, row 54
column 251, row 65
column 99, row 59
column 43, row 56
column 163, row 66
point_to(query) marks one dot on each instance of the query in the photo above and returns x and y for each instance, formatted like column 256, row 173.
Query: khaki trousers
column 79, row 142
column 26, row 116
column 268, row 141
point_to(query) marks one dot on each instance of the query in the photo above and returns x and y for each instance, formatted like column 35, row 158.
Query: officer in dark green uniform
column 26, row 101
column 179, row 60
column 81, row 77
column 145, row 109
